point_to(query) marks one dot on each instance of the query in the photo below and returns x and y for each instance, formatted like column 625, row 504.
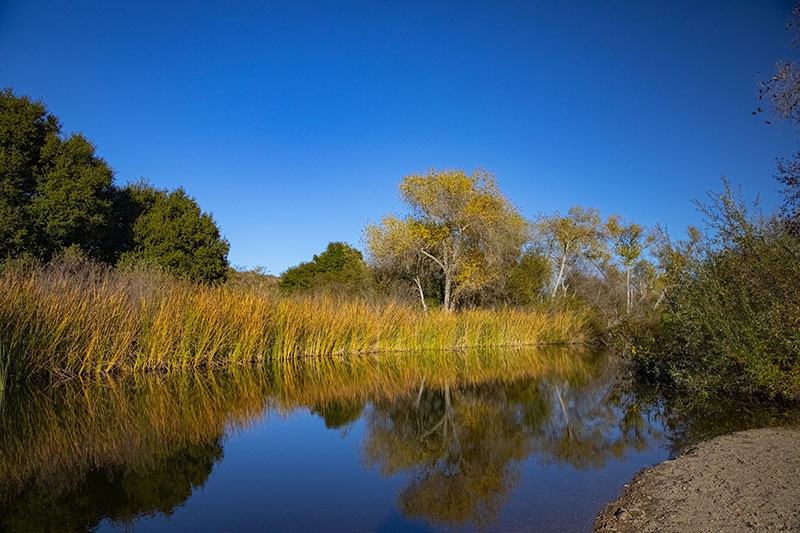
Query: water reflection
column 463, row 445
column 117, row 493
column 456, row 427
column 76, row 453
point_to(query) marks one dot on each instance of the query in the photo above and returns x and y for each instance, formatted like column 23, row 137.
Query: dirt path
column 747, row 481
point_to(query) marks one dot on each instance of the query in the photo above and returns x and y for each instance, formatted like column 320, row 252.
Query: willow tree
column 460, row 228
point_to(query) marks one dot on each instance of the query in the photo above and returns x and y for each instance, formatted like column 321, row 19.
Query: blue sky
column 293, row 122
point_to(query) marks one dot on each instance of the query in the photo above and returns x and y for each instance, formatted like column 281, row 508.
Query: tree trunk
column 628, row 290
column 421, row 294
column 448, row 282
column 560, row 276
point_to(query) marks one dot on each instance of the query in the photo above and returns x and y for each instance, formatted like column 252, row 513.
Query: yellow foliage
column 461, row 225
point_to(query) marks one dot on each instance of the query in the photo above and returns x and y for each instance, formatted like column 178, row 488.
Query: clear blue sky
column 293, row 122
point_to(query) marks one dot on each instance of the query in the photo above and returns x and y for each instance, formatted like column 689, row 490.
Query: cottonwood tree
column 782, row 92
column 789, row 176
column 673, row 259
column 578, row 235
column 461, row 226
column 397, row 251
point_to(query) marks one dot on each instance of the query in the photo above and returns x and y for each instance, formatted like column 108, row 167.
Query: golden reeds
column 59, row 323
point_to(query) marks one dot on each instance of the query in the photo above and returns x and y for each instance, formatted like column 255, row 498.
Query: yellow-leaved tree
column 461, row 228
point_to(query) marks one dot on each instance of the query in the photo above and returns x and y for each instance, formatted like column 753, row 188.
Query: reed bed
column 4, row 364
column 62, row 322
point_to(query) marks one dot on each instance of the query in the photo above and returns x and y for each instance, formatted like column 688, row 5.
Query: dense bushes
column 339, row 269
column 731, row 318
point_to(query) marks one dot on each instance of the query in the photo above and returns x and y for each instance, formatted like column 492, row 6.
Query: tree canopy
column 173, row 233
column 340, row 267
column 570, row 238
column 461, row 229
column 54, row 191
column 57, row 194
column 782, row 92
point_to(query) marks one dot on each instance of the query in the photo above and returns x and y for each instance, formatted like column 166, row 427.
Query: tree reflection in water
column 461, row 448
column 462, row 445
column 115, row 493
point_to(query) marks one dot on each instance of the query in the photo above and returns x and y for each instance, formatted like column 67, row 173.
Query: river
column 498, row 440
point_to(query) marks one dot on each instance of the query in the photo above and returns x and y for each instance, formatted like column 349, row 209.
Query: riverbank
column 746, row 481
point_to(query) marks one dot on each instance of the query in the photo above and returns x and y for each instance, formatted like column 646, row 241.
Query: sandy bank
column 747, row 481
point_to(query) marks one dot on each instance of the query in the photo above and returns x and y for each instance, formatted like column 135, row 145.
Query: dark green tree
column 72, row 202
column 172, row 232
column 528, row 279
column 298, row 278
column 339, row 267
column 24, row 129
column 54, row 191
column 56, row 194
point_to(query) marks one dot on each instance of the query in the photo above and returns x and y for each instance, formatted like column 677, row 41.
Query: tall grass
column 65, row 320
column 4, row 364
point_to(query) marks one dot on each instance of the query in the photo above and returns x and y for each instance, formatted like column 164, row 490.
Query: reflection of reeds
column 51, row 437
column 319, row 381
column 101, row 321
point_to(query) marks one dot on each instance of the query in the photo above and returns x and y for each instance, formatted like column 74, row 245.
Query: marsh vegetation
column 73, row 318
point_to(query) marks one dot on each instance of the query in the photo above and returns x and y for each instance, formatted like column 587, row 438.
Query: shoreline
column 745, row 481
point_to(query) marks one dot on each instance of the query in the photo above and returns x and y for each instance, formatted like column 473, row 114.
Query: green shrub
column 731, row 320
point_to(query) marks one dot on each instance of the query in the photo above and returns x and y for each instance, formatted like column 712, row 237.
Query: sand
column 746, row 481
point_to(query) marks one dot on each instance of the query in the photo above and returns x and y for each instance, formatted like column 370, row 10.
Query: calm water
column 497, row 441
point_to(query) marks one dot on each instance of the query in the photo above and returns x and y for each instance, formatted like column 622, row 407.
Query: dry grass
column 66, row 320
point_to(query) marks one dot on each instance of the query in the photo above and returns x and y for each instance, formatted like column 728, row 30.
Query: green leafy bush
column 731, row 319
